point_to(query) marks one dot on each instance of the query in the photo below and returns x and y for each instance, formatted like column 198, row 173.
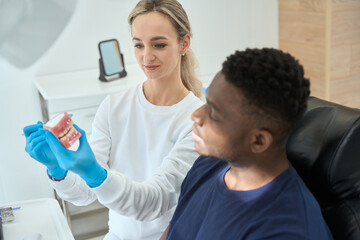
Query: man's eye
column 212, row 118
column 211, row 115
column 160, row 45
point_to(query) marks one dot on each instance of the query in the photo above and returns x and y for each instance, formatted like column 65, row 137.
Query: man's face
column 221, row 128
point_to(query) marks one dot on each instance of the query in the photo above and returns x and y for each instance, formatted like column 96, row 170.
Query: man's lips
column 195, row 137
column 151, row 67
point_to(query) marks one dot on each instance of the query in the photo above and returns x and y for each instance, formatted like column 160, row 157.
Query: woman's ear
column 185, row 44
column 261, row 140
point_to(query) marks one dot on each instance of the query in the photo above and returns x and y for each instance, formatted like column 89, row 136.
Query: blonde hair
column 178, row 17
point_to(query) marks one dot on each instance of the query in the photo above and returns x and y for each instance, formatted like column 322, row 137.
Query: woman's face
column 157, row 48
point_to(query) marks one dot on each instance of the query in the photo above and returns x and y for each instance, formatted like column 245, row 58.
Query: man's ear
column 185, row 44
column 261, row 140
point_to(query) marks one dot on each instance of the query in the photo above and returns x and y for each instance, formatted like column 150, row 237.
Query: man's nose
column 198, row 115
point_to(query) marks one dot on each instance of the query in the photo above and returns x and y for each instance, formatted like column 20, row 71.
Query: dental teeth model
column 62, row 127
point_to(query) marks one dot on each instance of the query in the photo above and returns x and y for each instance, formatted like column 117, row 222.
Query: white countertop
column 85, row 83
column 38, row 216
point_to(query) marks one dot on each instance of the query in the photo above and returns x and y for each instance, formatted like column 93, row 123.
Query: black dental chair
column 324, row 148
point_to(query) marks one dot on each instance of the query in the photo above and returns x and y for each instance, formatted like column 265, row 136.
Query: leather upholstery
column 324, row 148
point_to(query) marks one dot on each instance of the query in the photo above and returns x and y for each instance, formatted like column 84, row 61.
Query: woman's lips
column 151, row 67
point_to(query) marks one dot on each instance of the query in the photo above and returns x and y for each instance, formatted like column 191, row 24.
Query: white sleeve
column 73, row 188
column 149, row 200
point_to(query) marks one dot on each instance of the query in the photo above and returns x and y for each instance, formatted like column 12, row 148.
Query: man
column 243, row 186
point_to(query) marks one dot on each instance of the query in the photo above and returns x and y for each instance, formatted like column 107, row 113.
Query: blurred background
column 47, row 44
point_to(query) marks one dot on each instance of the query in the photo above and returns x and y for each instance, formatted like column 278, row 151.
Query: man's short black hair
column 271, row 80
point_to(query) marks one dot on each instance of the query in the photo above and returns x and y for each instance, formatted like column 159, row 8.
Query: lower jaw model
column 62, row 127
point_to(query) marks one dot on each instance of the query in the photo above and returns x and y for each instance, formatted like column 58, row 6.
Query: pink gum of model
column 62, row 127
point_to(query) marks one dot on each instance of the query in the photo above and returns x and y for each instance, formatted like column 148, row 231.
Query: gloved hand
column 81, row 162
column 38, row 149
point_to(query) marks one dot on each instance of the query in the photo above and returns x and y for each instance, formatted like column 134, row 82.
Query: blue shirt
column 207, row 209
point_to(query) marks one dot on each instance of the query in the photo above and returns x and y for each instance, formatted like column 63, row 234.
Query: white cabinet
column 80, row 94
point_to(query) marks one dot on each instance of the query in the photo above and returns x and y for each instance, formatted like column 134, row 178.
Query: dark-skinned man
column 243, row 186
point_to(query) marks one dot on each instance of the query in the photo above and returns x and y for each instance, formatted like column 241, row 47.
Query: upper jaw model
column 62, row 127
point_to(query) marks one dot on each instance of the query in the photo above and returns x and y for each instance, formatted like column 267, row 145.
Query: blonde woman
column 140, row 148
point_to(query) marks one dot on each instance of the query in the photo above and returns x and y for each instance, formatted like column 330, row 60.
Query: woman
column 141, row 146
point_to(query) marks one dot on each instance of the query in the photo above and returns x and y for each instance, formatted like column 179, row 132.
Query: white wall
column 20, row 177
column 219, row 28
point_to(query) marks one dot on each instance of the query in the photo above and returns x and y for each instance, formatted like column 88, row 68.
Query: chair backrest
column 324, row 148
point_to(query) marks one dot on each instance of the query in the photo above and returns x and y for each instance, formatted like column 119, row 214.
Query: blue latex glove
column 81, row 162
column 38, row 149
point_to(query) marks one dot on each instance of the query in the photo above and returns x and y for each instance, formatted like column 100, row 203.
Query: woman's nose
column 148, row 55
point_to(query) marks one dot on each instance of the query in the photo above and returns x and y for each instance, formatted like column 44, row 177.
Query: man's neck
column 240, row 178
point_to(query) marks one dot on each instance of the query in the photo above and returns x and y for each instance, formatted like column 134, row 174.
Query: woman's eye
column 160, row 45
column 138, row 46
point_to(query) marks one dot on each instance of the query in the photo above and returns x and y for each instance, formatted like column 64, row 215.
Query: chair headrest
column 324, row 148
